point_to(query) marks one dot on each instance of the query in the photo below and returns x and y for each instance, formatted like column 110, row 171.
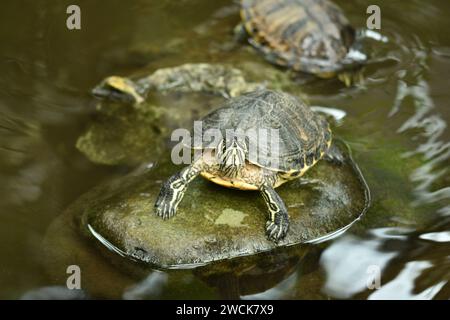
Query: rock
column 215, row 223
column 122, row 135
column 105, row 274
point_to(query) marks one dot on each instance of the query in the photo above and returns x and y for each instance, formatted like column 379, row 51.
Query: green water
column 396, row 124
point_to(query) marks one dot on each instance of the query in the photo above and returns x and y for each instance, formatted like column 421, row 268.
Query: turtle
column 116, row 88
column 311, row 36
column 242, row 157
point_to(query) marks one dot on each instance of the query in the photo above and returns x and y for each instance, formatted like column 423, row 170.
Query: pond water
column 396, row 125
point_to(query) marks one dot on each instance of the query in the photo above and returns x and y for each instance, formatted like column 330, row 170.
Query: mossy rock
column 120, row 134
column 215, row 223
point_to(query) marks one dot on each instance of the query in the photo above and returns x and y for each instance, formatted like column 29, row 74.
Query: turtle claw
column 334, row 155
column 165, row 205
column 277, row 230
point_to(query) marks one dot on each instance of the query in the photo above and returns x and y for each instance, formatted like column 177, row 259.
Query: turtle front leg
column 278, row 223
column 173, row 190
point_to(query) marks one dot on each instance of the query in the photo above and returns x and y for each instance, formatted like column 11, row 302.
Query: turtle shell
column 281, row 132
column 311, row 36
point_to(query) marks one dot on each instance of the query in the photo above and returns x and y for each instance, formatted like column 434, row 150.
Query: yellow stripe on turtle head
column 123, row 85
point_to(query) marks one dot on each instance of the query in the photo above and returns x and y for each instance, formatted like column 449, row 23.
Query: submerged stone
column 215, row 223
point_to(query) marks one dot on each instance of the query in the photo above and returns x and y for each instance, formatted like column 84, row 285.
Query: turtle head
column 231, row 154
column 118, row 89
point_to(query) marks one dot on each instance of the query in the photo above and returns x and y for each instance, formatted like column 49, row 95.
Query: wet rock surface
column 215, row 223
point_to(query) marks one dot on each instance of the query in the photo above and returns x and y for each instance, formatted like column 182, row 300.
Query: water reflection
column 402, row 287
column 443, row 236
column 271, row 275
column 428, row 127
column 348, row 260
column 150, row 288
column 413, row 264
column 408, row 267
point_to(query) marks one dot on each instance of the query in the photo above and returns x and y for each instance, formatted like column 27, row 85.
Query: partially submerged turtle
column 190, row 77
column 244, row 159
column 311, row 36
